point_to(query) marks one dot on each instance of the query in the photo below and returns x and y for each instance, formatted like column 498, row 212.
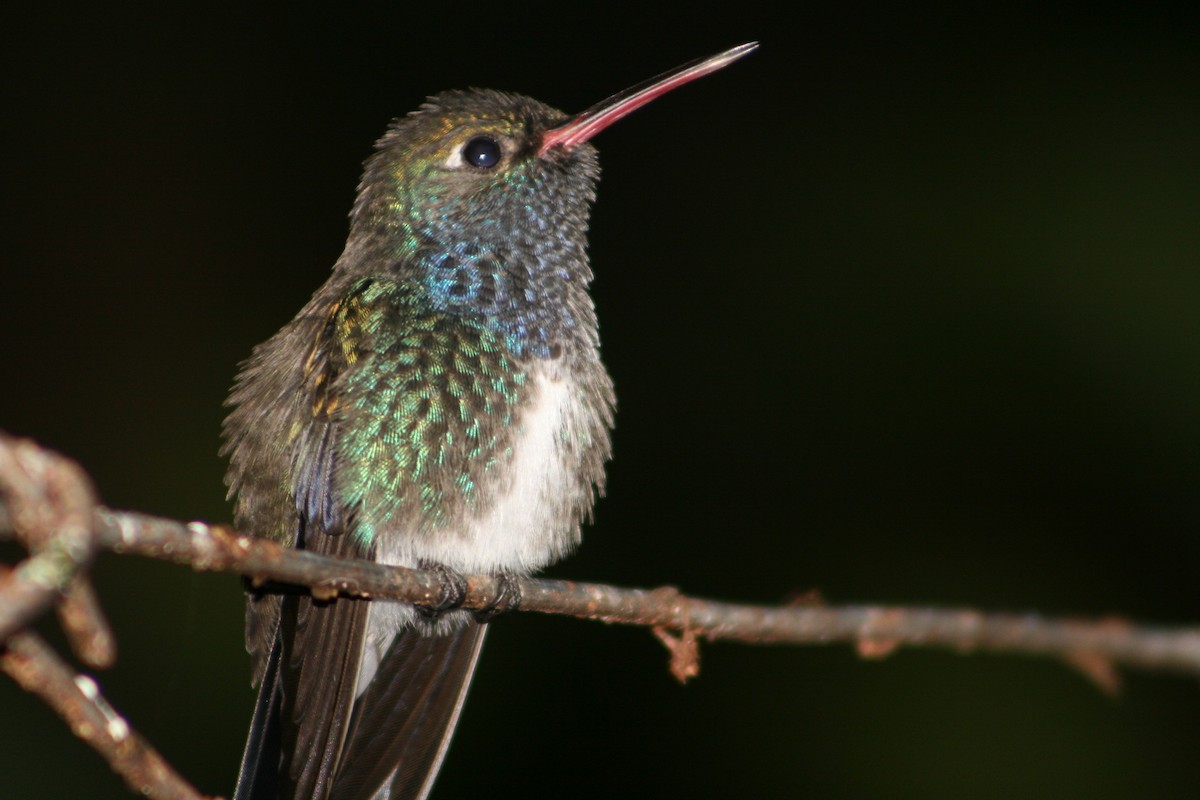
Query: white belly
column 521, row 529
column 527, row 526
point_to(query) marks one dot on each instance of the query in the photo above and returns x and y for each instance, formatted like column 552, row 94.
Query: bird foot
column 507, row 600
column 454, row 591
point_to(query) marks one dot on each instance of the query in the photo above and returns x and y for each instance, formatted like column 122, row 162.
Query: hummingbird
column 439, row 403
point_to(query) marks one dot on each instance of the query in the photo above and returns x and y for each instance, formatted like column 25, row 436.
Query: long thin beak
column 584, row 126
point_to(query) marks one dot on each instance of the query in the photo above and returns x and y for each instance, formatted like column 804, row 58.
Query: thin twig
column 36, row 668
column 47, row 503
column 50, row 506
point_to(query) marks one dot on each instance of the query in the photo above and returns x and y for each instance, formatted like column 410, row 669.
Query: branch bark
column 876, row 630
column 37, row 669
column 47, row 504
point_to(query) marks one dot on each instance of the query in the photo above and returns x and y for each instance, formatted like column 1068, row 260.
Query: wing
column 282, row 437
column 321, row 651
column 404, row 720
column 305, row 698
column 279, row 436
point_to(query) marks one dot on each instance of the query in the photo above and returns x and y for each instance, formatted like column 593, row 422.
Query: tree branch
column 34, row 666
column 46, row 502
column 875, row 629
column 50, row 503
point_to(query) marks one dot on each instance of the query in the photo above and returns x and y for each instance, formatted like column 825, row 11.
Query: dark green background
column 902, row 308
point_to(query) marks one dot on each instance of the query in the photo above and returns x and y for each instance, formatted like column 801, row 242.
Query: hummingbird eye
column 482, row 152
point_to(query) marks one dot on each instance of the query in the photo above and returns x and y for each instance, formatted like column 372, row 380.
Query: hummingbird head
column 483, row 197
column 465, row 168
column 488, row 164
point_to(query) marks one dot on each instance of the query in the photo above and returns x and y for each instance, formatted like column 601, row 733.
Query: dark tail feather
column 259, row 775
column 305, row 701
column 403, row 722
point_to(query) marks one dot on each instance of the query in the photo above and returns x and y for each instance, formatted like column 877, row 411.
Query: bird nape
column 439, row 403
